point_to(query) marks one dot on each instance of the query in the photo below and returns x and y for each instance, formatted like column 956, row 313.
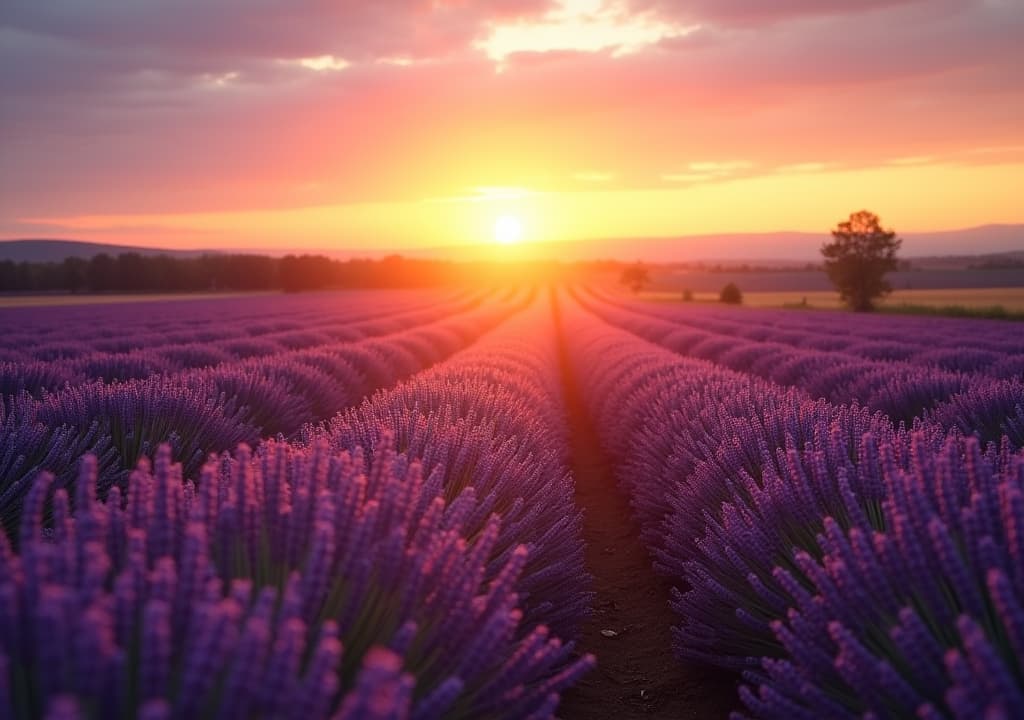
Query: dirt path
column 637, row 675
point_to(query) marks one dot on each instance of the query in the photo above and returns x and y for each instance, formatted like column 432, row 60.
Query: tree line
column 133, row 272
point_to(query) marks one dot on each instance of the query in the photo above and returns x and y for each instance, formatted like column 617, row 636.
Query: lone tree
column 731, row 294
column 635, row 277
column 859, row 256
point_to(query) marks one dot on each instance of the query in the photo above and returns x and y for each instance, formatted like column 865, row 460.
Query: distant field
column 13, row 301
column 1011, row 299
column 802, row 281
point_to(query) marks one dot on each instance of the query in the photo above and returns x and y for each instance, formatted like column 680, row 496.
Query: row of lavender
column 419, row 556
column 108, row 350
column 977, row 403
column 117, row 327
column 991, row 346
column 850, row 568
column 214, row 409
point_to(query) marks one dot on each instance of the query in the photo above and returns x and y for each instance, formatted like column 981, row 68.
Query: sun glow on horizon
column 508, row 230
column 915, row 198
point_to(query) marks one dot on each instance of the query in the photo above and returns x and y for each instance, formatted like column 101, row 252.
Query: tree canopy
column 731, row 294
column 858, row 257
column 635, row 277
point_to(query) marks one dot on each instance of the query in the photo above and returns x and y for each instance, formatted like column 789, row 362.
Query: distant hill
column 946, row 249
column 777, row 249
column 985, row 261
column 47, row 250
column 983, row 240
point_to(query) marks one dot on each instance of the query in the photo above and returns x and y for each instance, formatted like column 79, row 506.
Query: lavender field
column 531, row 502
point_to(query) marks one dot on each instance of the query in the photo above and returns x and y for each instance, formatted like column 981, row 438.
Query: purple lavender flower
column 988, row 411
column 139, row 415
column 28, row 446
column 935, row 625
column 852, row 569
column 180, row 600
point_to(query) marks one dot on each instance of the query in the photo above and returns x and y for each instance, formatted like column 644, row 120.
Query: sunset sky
column 414, row 123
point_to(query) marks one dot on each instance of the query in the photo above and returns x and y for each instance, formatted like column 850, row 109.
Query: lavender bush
column 139, row 415
column 487, row 424
column 134, row 365
column 852, row 570
column 904, row 376
column 989, row 412
column 289, row 584
column 28, row 446
column 34, row 378
column 921, row 615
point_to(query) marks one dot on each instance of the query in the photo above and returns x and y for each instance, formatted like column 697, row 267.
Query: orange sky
column 416, row 123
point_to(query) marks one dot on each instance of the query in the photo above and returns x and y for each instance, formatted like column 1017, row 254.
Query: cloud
column 320, row 63
column 705, row 171
column 758, row 13
column 580, row 26
column 267, row 29
column 201, row 105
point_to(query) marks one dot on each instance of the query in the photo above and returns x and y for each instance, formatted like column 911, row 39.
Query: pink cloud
column 109, row 111
column 746, row 13
column 248, row 29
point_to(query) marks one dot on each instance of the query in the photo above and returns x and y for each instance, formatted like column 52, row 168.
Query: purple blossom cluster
column 27, row 445
column 108, row 348
column 418, row 557
column 851, row 568
column 139, row 415
column 904, row 369
column 286, row 583
column 692, row 437
column 54, row 413
column 990, row 412
column 488, row 425
column 141, row 325
column 841, row 510
column 920, row 613
column 927, row 340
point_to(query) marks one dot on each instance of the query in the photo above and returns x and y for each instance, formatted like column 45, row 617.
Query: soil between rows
column 637, row 675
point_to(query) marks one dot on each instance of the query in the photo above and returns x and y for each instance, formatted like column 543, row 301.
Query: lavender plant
column 918, row 616
column 139, row 415
column 235, row 598
column 192, row 355
column 135, row 365
column 28, row 446
column 483, row 429
column 321, row 393
column 273, row 408
column 989, row 412
column 732, row 594
column 907, row 392
column 904, row 378
column 34, row 378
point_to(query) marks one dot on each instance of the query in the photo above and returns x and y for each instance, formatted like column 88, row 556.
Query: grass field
column 1010, row 299
column 14, row 301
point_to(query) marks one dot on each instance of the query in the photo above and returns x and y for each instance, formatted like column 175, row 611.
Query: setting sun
column 508, row 230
